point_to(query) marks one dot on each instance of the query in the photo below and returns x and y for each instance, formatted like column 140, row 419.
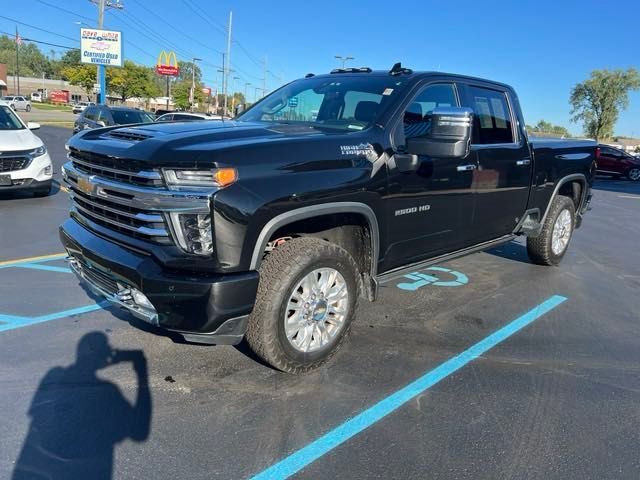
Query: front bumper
column 203, row 308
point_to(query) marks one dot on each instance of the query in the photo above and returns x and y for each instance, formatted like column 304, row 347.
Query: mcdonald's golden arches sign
column 167, row 64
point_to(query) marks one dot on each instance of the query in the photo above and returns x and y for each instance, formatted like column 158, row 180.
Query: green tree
column 547, row 127
column 180, row 92
column 597, row 101
column 185, row 72
column 83, row 75
column 132, row 80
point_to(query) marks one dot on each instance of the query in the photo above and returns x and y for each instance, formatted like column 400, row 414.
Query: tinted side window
column 184, row 116
column 417, row 116
column 492, row 117
column 91, row 113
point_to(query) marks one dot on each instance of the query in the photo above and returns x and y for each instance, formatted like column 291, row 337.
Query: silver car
column 18, row 102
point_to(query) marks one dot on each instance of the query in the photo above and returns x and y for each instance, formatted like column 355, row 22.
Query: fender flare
column 575, row 176
column 311, row 211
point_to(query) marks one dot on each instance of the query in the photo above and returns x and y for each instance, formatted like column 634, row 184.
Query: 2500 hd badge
column 270, row 227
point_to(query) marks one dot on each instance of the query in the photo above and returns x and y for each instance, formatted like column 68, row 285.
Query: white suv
column 18, row 102
column 24, row 161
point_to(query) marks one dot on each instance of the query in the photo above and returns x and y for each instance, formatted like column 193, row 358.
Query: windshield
column 125, row 117
column 9, row 120
column 343, row 102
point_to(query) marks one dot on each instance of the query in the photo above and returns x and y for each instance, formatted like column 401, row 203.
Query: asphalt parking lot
column 490, row 367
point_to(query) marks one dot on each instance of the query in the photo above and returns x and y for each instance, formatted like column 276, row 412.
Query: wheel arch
column 576, row 177
column 311, row 211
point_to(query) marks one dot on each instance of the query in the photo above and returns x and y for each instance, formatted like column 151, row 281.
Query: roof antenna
column 397, row 69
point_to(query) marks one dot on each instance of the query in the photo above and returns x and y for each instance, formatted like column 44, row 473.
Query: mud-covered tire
column 540, row 248
column 280, row 272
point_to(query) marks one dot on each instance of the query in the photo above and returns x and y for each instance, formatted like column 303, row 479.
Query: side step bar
column 391, row 274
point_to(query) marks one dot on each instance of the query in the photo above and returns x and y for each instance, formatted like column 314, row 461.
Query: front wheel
column 634, row 174
column 305, row 304
column 28, row 108
column 551, row 244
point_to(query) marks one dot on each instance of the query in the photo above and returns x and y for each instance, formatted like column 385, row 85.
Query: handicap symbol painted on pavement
column 422, row 279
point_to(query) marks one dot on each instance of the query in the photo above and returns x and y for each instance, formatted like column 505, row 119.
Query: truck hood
column 194, row 143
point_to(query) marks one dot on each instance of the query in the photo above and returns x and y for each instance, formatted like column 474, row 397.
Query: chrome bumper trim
column 121, row 299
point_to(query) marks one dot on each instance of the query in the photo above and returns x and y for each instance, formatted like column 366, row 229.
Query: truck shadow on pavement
column 511, row 251
column 78, row 418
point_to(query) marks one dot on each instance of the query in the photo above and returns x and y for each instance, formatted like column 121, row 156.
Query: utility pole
column 228, row 65
column 18, row 42
column 246, row 100
column 192, row 98
column 342, row 59
column 264, row 77
column 233, row 95
column 101, row 73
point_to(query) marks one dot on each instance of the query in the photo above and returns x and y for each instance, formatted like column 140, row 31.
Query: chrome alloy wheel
column 316, row 310
column 561, row 232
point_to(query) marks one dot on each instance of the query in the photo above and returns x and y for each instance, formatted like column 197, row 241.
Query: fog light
column 141, row 300
column 193, row 232
column 48, row 170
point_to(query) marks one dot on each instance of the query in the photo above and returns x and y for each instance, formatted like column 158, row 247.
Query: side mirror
column 239, row 109
column 450, row 134
column 33, row 125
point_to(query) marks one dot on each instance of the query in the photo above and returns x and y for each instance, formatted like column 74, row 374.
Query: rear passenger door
column 502, row 180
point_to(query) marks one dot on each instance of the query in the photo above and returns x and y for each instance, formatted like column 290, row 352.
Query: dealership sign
column 167, row 64
column 101, row 47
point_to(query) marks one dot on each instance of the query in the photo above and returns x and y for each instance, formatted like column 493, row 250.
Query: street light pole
column 233, row 96
column 192, row 98
column 342, row 59
column 246, row 100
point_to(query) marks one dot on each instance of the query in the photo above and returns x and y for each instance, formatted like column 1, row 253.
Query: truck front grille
column 12, row 162
column 120, row 196
column 121, row 170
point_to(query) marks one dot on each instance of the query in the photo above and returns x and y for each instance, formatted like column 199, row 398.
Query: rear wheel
column 306, row 302
column 28, row 108
column 634, row 174
column 549, row 247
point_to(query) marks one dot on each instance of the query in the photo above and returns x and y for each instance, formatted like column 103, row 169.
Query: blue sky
column 542, row 48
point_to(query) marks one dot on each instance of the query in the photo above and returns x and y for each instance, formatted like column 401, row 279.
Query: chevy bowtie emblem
column 85, row 186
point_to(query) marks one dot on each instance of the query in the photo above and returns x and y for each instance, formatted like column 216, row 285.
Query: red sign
column 59, row 96
column 206, row 91
column 167, row 70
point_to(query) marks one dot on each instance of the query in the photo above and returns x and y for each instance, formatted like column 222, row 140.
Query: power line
column 203, row 15
column 65, row 10
column 174, row 28
column 39, row 41
column 38, row 28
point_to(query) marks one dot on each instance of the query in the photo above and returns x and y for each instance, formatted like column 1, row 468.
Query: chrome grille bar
column 152, row 232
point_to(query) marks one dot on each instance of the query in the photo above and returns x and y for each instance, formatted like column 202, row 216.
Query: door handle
column 466, row 168
column 523, row 162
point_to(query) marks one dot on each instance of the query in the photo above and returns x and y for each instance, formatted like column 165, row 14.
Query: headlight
column 193, row 232
column 37, row 152
column 216, row 177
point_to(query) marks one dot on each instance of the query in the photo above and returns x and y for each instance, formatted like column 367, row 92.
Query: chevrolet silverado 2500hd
column 271, row 226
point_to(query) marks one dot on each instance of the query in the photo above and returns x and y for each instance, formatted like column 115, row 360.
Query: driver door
column 429, row 210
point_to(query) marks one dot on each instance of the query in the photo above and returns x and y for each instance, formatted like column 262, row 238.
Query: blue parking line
column 308, row 454
column 11, row 322
column 48, row 268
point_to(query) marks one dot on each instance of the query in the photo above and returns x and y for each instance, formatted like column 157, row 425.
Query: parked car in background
column 186, row 116
column 80, row 106
column 37, row 97
column 18, row 102
column 97, row 116
column 24, row 161
column 618, row 163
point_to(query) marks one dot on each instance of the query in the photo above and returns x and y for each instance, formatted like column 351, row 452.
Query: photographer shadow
column 78, row 418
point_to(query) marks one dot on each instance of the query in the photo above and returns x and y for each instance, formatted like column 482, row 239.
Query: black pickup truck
column 271, row 226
